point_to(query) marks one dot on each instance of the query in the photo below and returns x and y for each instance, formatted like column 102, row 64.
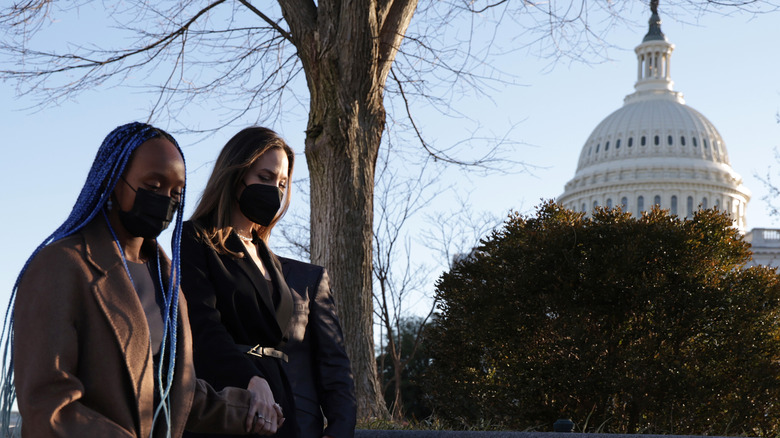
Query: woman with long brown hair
column 240, row 305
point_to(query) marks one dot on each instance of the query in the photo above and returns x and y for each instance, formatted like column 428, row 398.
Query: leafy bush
column 648, row 325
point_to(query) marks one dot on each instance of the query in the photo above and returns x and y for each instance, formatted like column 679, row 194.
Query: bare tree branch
column 265, row 18
column 155, row 47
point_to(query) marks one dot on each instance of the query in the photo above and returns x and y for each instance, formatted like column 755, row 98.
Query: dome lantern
column 653, row 76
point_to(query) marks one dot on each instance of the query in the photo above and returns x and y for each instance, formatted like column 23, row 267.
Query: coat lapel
column 117, row 298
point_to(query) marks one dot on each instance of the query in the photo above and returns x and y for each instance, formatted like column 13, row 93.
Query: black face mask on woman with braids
column 150, row 215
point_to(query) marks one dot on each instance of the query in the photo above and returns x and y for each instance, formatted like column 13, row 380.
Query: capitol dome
column 656, row 150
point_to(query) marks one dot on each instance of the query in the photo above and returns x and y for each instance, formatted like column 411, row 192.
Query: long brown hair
column 212, row 216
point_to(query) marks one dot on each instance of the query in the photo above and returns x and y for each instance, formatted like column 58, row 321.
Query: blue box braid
column 109, row 164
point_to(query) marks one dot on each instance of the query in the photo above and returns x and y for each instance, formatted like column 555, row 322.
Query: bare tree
column 403, row 281
column 400, row 196
column 455, row 233
column 240, row 59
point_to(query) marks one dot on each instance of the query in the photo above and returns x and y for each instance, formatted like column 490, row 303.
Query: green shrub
column 625, row 325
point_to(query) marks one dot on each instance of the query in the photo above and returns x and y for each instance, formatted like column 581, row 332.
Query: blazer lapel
column 285, row 266
column 284, row 311
column 116, row 295
column 250, row 270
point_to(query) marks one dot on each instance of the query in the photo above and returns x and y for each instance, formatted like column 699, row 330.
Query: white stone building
column 656, row 149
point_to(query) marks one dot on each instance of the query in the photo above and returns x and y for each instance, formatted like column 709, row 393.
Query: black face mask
column 150, row 215
column 260, row 203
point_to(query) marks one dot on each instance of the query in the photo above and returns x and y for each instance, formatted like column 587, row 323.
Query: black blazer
column 231, row 306
column 319, row 368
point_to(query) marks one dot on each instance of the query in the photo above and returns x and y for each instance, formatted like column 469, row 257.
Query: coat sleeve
column 332, row 367
column 46, row 350
column 217, row 358
column 218, row 412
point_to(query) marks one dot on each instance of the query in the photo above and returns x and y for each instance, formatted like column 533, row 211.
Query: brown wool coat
column 82, row 357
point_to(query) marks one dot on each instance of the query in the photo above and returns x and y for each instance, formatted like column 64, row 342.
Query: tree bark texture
column 347, row 48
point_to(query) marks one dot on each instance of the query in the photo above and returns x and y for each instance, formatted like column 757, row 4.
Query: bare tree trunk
column 343, row 137
column 398, row 403
column 347, row 48
column 341, row 228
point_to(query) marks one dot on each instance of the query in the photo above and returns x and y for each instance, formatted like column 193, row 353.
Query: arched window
column 590, row 149
column 704, row 140
column 617, row 144
column 643, row 141
column 640, row 205
column 704, row 202
column 657, row 140
column 609, row 202
column 595, row 204
column 657, row 200
column 624, row 203
column 674, row 204
column 606, row 147
column 694, row 142
column 583, row 208
column 682, row 141
column 597, row 147
column 630, row 141
column 669, row 140
column 717, row 203
column 689, row 207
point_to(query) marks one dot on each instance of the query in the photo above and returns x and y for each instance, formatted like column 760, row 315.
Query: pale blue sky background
column 726, row 67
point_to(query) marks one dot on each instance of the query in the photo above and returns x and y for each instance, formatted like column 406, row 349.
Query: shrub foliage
column 624, row 325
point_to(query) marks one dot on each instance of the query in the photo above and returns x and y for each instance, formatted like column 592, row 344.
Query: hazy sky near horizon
column 725, row 66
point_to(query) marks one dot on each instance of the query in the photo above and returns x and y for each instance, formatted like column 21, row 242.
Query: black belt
column 259, row 351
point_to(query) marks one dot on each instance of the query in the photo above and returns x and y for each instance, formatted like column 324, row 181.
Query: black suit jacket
column 319, row 368
column 230, row 307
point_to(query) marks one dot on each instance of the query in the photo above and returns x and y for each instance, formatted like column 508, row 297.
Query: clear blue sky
column 726, row 68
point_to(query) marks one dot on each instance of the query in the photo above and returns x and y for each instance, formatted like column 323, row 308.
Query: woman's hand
column 264, row 416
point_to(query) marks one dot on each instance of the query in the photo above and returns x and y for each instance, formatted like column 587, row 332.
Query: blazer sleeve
column 217, row 358
column 332, row 367
column 46, row 350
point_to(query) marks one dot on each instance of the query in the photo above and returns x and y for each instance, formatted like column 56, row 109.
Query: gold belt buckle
column 259, row 351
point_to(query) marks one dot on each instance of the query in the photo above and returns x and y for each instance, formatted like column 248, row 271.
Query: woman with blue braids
column 97, row 342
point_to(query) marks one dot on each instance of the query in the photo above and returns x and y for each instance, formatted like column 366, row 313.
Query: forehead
column 159, row 156
column 274, row 160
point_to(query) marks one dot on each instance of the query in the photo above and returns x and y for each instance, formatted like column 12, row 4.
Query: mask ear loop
column 128, row 184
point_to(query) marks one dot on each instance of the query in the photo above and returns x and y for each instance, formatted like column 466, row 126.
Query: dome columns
column 682, row 203
column 654, row 66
